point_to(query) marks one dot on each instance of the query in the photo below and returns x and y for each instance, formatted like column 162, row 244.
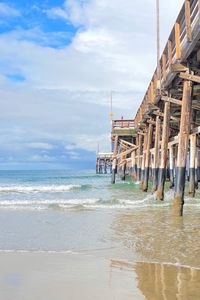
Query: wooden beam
column 125, row 153
column 127, row 143
column 123, row 147
column 171, row 100
column 160, row 114
column 152, row 91
column 190, row 77
column 169, row 48
column 164, row 67
column 176, row 68
column 188, row 20
column 122, row 162
column 195, row 107
column 177, row 41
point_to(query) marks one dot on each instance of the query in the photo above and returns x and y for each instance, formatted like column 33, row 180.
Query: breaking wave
column 87, row 203
column 41, row 188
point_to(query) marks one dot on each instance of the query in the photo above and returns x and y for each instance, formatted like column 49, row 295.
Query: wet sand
column 143, row 253
column 30, row 276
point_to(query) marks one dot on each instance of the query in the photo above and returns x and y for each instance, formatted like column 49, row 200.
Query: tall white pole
column 158, row 43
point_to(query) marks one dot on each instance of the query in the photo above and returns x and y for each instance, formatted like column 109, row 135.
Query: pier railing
column 122, row 124
column 180, row 44
column 105, row 155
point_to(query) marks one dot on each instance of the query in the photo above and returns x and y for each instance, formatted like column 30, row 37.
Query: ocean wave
column 78, row 204
column 41, row 188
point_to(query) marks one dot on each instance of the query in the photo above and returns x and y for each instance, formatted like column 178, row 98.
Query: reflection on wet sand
column 156, row 235
column 164, row 281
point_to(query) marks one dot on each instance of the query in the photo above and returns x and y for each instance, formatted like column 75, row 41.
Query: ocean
column 62, row 210
column 81, row 215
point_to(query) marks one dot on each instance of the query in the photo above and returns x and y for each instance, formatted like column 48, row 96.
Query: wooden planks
column 177, row 41
column 190, row 77
column 188, row 20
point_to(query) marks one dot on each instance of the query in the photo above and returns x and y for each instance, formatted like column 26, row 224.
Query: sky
column 59, row 60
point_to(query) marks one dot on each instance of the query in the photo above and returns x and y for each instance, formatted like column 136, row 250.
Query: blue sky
column 59, row 60
column 29, row 15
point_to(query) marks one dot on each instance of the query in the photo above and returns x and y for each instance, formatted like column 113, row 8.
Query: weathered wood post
column 143, row 158
column 100, row 167
column 183, row 147
column 97, row 166
column 171, row 165
column 139, row 152
column 193, row 142
column 123, row 171
column 133, row 165
column 156, row 154
column 114, row 161
column 197, row 162
column 147, row 160
column 105, row 166
column 164, row 148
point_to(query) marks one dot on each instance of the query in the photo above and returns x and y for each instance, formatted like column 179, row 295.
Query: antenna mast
column 111, row 105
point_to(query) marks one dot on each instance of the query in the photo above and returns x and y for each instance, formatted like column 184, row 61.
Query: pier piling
column 156, row 159
column 183, row 147
column 164, row 148
column 192, row 175
column 147, row 159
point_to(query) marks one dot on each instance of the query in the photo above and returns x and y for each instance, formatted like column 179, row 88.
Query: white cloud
column 8, row 11
column 41, row 158
column 57, row 12
column 43, row 146
column 70, row 147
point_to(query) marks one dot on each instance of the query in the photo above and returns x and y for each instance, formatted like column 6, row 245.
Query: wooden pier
column 104, row 163
column 162, row 142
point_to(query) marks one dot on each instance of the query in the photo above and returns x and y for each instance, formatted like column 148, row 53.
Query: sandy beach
column 88, row 240
column 51, row 276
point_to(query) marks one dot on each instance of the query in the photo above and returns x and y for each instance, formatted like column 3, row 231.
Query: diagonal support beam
column 128, row 143
column 125, row 153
